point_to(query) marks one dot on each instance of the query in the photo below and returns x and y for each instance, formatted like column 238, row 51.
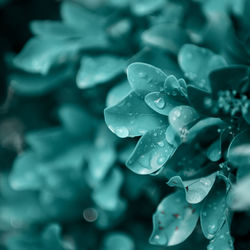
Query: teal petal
column 99, row 70
column 146, row 7
column 132, row 117
column 239, row 150
column 214, row 211
column 117, row 93
column 197, row 63
column 196, row 190
column 145, row 78
column 118, row 241
column 175, row 88
column 151, row 153
column 222, row 240
column 168, row 37
column 106, row 195
column 182, row 118
column 174, row 220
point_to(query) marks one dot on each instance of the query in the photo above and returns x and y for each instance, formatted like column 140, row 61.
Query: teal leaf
column 200, row 99
column 146, row 7
column 182, row 118
column 203, row 125
column 117, row 93
column 228, row 78
column 161, row 102
column 23, row 175
column 132, row 117
column 197, row 63
column 106, row 195
column 214, row 211
column 196, row 190
column 176, row 88
column 214, row 151
column 28, row 84
column 99, row 70
column 54, row 29
column 118, row 241
column 145, row 78
column 222, row 240
column 174, row 220
column 75, row 120
column 168, row 37
column 151, row 152
column 239, row 150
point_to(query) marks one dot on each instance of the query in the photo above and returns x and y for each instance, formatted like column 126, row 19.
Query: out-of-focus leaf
column 132, row 117
column 151, row 153
column 196, row 190
column 174, row 220
column 169, row 37
column 99, row 70
column 197, row 63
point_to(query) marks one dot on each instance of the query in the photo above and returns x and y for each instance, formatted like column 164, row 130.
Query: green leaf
column 118, row 241
column 99, row 70
column 168, row 37
column 132, row 117
column 222, row 240
column 151, row 152
column 145, row 78
column 196, row 190
column 106, row 195
column 28, row 84
column 146, row 7
column 117, row 93
column 182, row 118
column 197, row 63
column 174, row 220
column 239, row 150
column 214, row 211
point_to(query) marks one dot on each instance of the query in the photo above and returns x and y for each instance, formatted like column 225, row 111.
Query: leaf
column 99, row 70
column 40, row 54
column 145, row 78
column 222, row 240
column 228, row 78
column 117, row 241
column 214, row 151
column 132, row 117
column 117, row 93
column 106, row 195
column 146, row 7
column 168, row 37
column 214, row 211
column 151, row 152
column 174, row 220
column 181, row 118
column 196, row 190
column 246, row 111
column 197, row 63
column 28, row 84
column 54, row 29
column 239, row 150
column 24, row 174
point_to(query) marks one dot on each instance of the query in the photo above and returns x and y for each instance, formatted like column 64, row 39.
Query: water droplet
column 161, row 160
column 205, row 182
column 177, row 113
column 212, row 229
column 142, row 75
column 122, row 132
column 160, row 143
column 90, row 214
column 160, row 103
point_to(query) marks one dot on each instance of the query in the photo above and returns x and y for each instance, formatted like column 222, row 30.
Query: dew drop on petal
column 122, row 132
column 160, row 103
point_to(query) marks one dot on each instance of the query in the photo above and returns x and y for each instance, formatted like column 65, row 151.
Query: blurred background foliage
column 63, row 180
